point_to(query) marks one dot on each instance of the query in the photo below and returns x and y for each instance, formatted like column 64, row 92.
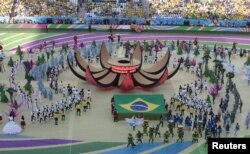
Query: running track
column 87, row 38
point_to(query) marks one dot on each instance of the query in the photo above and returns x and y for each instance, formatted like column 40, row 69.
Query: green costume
column 19, row 53
column 47, row 55
column 208, row 136
column 195, row 137
column 139, row 136
column 200, row 130
column 43, row 59
column 28, row 86
column 196, row 52
column 4, row 98
column 166, row 136
column 130, row 140
column 151, row 135
column 157, row 132
column 179, row 52
column 248, row 61
column 180, row 135
column 171, row 129
column 11, row 62
column 145, row 129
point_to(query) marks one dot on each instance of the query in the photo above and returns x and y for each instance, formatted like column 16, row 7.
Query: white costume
column 11, row 127
column 134, row 121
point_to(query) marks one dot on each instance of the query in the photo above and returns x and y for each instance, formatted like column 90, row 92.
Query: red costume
column 23, row 124
column 234, row 48
column 111, row 38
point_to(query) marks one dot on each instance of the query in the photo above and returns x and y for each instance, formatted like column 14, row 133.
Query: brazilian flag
column 140, row 104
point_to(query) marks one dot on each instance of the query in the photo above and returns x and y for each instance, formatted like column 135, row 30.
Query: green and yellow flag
column 150, row 104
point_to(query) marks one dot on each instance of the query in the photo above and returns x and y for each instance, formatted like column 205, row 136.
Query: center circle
column 123, row 61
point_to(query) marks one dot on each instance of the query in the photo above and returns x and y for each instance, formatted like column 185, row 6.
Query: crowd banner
column 155, row 21
column 123, row 27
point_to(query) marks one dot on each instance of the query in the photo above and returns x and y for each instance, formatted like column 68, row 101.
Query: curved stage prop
column 123, row 73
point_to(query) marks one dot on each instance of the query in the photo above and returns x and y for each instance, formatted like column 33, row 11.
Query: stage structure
column 123, row 73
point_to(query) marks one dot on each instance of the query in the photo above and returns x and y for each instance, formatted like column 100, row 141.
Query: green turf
column 195, row 28
column 44, row 35
column 74, row 149
column 64, row 26
column 52, row 26
column 207, row 28
column 20, row 39
column 182, row 28
column 202, row 149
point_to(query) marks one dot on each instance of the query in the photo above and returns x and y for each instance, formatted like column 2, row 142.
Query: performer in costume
column 85, row 105
column 130, row 140
column 11, row 127
column 171, row 127
column 151, row 134
column 134, row 121
column 195, row 137
column 63, row 114
column 111, row 37
column 247, row 122
column 115, row 115
column 234, row 48
column 139, row 136
column 166, row 136
column 78, row 109
column 145, row 128
column 23, row 124
column 200, row 128
column 157, row 132
column 56, row 115
column 1, row 118
column 180, row 133
column 89, row 102
column 208, row 136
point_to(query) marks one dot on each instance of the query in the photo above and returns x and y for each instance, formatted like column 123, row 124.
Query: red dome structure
column 123, row 73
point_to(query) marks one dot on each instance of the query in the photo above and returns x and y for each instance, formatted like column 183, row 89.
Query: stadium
column 123, row 76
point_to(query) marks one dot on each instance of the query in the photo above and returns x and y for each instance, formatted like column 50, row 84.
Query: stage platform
column 151, row 107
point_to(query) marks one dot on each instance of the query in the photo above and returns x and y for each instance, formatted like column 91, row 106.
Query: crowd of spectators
column 132, row 8
column 202, row 9
column 45, row 8
column 5, row 7
column 228, row 13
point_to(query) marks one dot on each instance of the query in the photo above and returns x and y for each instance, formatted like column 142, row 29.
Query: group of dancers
column 71, row 96
column 198, row 115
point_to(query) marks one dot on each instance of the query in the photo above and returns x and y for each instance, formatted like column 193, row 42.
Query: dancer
column 11, row 127
column 247, row 120
column 151, row 134
column 56, row 116
column 139, row 136
column 157, row 131
column 166, row 136
column 195, row 137
column 23, row 124
column 180, row 133
column 236, row 130
column 145, row 128
column 130, row 140
column 1, row 118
